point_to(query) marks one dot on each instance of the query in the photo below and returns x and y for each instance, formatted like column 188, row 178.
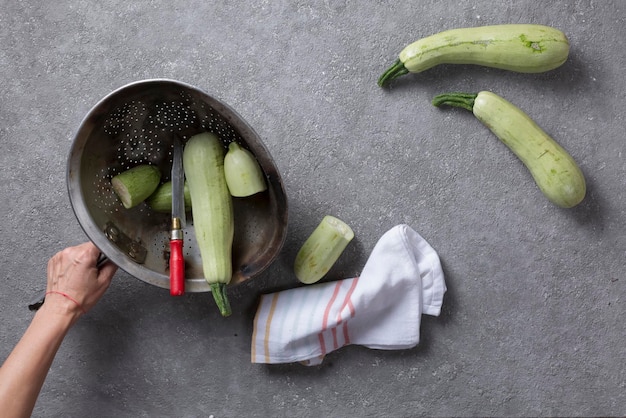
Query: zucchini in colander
column 212, row 211
column 135, row 185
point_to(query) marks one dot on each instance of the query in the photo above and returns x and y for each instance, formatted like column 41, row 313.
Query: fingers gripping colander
column 136, row 124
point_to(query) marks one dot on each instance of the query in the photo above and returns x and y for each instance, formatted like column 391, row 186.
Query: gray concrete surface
column 533, row 322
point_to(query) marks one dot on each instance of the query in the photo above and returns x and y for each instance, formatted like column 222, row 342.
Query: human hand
column 75, row 283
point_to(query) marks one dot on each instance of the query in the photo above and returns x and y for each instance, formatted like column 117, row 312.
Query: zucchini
column 554, row 170
column 322, row 249
column 212, row 212
column 243, row 173
column 523, row 48
column 161, row 199
column 135, row 185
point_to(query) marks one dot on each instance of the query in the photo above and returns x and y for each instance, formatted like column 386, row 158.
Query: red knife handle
column 177, row 268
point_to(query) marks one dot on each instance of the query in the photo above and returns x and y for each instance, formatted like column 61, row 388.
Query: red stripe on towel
column 346, row 335
column 347, row 302
column 350, row 305
column 325, row 319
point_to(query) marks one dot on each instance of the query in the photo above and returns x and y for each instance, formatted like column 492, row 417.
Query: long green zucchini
column 212, row 211
column 524, row 48
column 554, row 170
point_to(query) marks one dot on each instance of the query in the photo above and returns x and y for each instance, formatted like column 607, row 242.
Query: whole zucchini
column 523, row 48
column 554, row 170
column 212, row 211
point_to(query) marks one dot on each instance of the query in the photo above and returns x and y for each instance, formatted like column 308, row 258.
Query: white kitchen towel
column 380, row 309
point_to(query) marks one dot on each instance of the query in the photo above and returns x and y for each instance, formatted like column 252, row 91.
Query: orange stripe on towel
column 268, row 324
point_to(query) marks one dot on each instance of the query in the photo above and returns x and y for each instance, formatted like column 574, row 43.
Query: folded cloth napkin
column 380, row 309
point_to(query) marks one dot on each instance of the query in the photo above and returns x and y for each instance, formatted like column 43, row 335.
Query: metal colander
column 136, row 124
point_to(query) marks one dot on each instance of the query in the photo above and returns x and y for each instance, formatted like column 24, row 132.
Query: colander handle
column 177, row 268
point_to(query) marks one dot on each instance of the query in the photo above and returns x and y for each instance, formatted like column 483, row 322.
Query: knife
column 177, row 261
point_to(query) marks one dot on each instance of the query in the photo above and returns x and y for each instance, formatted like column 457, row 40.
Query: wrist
column 61, row 310
column 77, row 304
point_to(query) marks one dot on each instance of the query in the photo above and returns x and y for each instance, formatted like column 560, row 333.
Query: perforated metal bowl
column 135, row 125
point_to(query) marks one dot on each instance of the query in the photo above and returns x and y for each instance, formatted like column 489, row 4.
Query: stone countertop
column 533, row 321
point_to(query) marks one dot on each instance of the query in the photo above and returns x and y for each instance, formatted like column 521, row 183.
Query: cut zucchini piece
column 322, row 249
column 135, row 185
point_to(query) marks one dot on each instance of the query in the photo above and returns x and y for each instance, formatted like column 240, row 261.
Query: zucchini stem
column 464, row 100
column 221, row 299
column 396, row 70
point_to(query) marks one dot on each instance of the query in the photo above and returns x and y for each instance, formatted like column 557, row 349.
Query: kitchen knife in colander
column 177, row 260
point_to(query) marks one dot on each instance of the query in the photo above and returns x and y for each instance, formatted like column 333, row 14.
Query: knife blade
column 177, row 261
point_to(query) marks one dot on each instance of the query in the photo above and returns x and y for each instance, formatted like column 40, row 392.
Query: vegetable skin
column 244, row 176
column 212, row 212
column 136, row 184
column 554, row 170
column 161, row 200
column 524, row 48
column 322, row 249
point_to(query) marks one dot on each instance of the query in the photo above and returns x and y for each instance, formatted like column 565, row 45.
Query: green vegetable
column 212, row 212
column 522, row 48
column 135, row 185
column 161, row 199
column 554, row 170
column 243, row 173
column 322, row 249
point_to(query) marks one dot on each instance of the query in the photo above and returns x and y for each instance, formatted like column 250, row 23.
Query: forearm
column 23, row 373
column 75, row 283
